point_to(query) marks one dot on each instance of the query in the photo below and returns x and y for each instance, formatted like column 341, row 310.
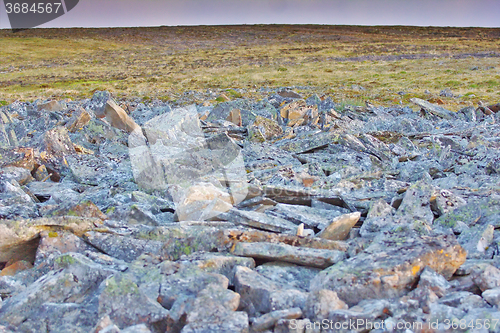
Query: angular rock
column 255, row 291
column 203, row 201
column 51, row 106
column 293, row 276
column 57, row 142
column 15, row 267
column 434, row 109
column 415, row 207
column 487, row 278
column 306, row 143
column 321, row 302
column 88, row 169
column 268, row 127
column 379, row 217
column 445, row 201
column 297, row 255
column 123, row 247
column 223, row 264
column 19, row 238
column 262, row 236
column 177, row 154
column 83, row 209
column 492, row 296
column 339, row 228
column 268, row 320
column 477, row 240
column 78, row 120
column 367, row 315
column 286, row 299
column 18, row 157
column 258, row 220
column 55, row 243
column 234, row 117
column 435, row 282
column 424, row 296
column 21, row 175
column 390, row 266
column 214, row 308
column 187, row 281
column 77, row 279
column 126, row 305
column 118, row 118
column 312, row 217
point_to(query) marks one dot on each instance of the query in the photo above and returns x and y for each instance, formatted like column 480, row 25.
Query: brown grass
column 165, row 61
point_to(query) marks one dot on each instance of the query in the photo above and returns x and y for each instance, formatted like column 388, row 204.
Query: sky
column 131, row 13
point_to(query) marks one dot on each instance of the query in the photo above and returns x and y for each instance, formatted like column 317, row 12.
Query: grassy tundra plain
column 385, row 65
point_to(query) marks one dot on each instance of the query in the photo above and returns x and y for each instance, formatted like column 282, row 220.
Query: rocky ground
column 282, row 214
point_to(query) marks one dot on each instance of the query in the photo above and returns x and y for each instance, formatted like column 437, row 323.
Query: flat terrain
column 385, row 65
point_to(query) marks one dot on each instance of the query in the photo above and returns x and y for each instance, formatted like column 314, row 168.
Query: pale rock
column 51, row 106
column 259, row 220
column 339, row 228
column 434, row 109
column 321, row 302
column 292, row 254
column 235, row 117
column 492, row 296
column 118, row 118
column 202, row 201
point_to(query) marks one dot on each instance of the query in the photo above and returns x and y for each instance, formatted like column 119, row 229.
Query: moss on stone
column 65, row 260
column 120, row 286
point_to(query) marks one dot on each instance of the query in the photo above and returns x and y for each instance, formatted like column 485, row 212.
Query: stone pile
column 279, row 215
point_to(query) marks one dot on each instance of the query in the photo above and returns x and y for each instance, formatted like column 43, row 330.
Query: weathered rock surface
column 292, row 254
column 394, row 262
column 267, row 215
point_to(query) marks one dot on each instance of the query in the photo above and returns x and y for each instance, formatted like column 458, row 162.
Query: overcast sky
column 129, row 13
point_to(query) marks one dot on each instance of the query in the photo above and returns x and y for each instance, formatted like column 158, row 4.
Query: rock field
column 284, row 214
